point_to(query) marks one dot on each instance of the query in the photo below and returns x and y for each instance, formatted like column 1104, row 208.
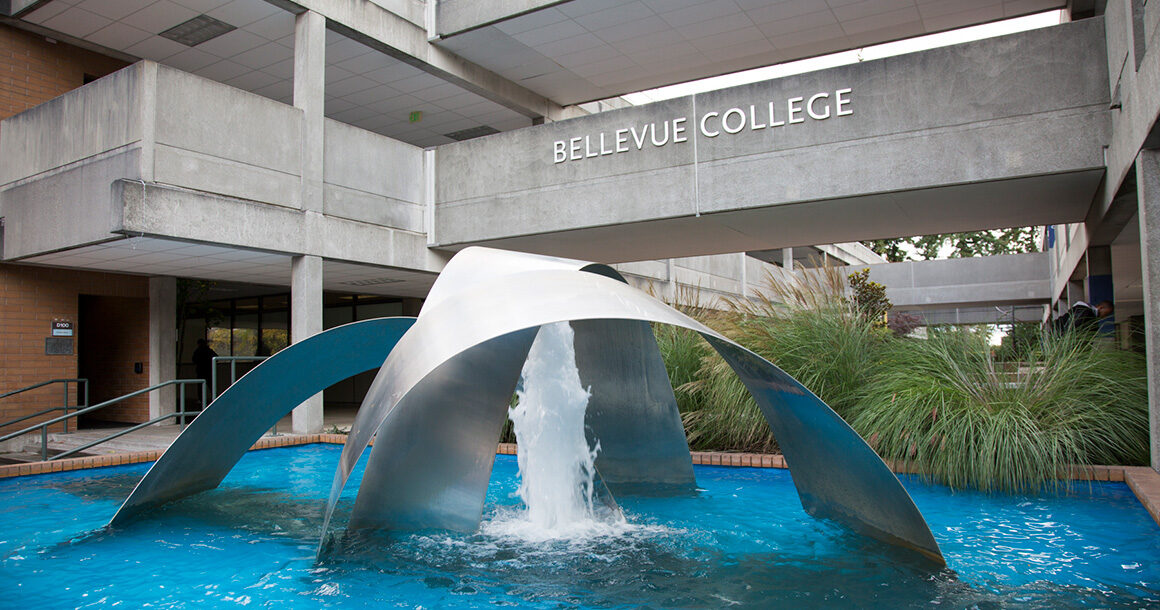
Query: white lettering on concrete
column 737, row 112
column 654, row 134
column 704, row 129
column 639, row 141
column 773, row 123
column 791, row 109
column 842, row 102
column 819, row 106
column 753, row 125
column 810, row 107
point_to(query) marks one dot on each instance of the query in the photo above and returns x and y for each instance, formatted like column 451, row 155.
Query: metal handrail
column 43, row 426
column 79, row 405
column 233, row 360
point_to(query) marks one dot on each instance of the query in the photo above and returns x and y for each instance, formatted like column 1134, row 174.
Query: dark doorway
column 113, row 354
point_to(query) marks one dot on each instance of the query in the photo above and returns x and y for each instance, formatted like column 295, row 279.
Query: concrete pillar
column 1148, row 194
column 305, row 322
column 306, row 271
column 787, row 259
column 162, row 344
column 310, row 96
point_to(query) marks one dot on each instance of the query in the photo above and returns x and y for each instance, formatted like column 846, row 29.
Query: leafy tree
column 869, row 297
column 977, row 243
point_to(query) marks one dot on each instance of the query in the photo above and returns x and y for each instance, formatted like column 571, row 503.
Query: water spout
column 555, row 461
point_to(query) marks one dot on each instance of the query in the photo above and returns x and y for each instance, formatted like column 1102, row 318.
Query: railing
column 65, row 406
column 233, row 360
column 43, row 426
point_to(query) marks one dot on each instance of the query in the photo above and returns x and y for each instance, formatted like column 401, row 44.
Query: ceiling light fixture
column 197, row 30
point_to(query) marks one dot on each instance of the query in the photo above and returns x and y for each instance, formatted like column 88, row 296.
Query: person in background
column 203, row 357
column 1083, row 316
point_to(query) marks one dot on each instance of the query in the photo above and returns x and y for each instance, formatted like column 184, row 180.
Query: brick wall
column 34, row 70
column 30, row 299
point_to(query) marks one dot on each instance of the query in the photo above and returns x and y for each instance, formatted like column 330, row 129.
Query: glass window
column 379, row 310
column 246, row 334
column 337, row 316
column 275, row 333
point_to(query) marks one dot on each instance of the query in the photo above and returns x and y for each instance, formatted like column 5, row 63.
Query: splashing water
column 556, row 464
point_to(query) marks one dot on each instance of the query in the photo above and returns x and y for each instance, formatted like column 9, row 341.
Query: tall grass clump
column 942, row 405
column 803, row 324
column 683, row 349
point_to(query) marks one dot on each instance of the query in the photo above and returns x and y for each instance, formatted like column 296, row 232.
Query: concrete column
column 306, row 271
column 162, row 344
column 305, row 322
column 1148, row 193
column 787, row 259
column 310, row 96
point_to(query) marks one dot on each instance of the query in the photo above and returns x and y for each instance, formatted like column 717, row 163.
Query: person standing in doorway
column 203, row 357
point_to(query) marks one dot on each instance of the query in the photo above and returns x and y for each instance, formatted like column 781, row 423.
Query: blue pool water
column 743, row 540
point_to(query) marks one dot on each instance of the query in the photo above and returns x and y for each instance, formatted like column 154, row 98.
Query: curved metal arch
column 208, row 449
column 837, row 475
column 619, row 362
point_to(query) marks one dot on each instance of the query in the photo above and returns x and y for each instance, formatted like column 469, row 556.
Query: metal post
column 213, row 384
column 181, row 405
column 233, row 371
column 66, row 406
column 44, row 443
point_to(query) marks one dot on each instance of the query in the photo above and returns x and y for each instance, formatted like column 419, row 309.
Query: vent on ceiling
column 373, row 282
column 197, row 30
column 474, row 132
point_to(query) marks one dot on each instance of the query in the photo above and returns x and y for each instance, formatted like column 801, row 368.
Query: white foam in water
column 555, row 462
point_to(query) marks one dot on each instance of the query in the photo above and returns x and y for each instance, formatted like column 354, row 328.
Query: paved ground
column 153, row 437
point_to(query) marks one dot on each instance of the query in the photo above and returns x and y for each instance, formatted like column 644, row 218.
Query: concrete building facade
column 319, row 161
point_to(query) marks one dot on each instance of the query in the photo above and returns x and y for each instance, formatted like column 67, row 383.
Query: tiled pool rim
column 1143, row 481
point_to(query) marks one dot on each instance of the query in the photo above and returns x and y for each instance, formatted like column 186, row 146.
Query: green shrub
column 803, row 325
column 942, row 404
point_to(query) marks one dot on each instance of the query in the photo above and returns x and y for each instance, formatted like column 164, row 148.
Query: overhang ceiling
column 364, row 87
column 165, row 257
column 1020, row 202
column 569, row 52
column 582, row 50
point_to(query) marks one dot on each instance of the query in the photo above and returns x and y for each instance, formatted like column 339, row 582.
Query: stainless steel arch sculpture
column 202, row 455
column 438, row 402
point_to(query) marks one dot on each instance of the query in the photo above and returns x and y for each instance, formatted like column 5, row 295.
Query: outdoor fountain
column 436, row 407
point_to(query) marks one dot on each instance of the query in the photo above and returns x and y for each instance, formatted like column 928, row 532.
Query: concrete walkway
column 156, row 437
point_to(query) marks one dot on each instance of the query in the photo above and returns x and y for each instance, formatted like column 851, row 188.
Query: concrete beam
column 456, row 16
column 402, row 39
column 989, row 281
column 994, row 133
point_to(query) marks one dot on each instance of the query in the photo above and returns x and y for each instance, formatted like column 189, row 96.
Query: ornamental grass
column 805, row 326
column 943, row 405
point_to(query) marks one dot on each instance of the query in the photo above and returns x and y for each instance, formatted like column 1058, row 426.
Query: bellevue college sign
column 817, row 107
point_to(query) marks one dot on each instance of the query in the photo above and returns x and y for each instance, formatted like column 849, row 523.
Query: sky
column 909, row 45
